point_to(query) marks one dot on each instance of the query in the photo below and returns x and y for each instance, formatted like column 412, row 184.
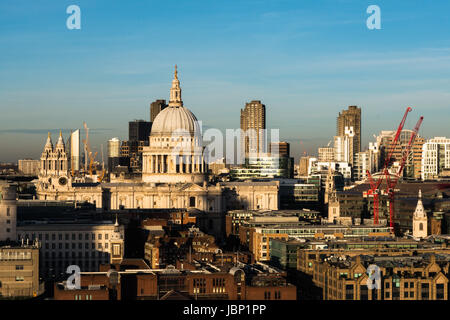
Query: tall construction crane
column 88, row 152
column 375, row 185
column 392, row 183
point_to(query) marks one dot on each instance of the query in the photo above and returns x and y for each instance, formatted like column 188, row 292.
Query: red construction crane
column 392, row 183
column 375, row 186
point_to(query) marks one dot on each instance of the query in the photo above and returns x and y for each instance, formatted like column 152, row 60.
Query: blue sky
column 305, row 59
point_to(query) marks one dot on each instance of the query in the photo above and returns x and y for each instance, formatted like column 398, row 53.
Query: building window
column 18, row 278
column 116, row 249
column 19, row 267
column 439, row 291
column 192, row 202
column 7, row 212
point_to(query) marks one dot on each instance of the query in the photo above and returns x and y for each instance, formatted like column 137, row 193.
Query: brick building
column 199, row 281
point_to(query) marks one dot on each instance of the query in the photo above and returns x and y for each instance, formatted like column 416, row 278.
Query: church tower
column 329, row 184
column 117, row 243
column 333, row 207
column 175, row 91
column 54, row 168
column 420, row 220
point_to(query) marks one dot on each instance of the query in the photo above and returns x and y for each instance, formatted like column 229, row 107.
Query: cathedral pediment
column 192, row 187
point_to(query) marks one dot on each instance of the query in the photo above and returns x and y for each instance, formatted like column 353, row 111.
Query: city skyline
column 297, row 61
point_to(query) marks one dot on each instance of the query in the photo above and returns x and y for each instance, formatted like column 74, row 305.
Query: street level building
column 19, row 270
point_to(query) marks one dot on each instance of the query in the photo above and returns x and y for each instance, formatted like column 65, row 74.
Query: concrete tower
column 350, row 118
column 253, row 122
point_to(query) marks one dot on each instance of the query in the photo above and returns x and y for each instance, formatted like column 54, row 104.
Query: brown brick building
column 199, row 281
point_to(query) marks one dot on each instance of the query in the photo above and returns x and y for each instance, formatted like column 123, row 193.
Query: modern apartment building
column 435, row 158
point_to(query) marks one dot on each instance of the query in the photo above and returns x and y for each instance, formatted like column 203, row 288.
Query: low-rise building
column 188, row 281
column 19, row 270
column 85, row 244
column 338, row 269
column 257, row 236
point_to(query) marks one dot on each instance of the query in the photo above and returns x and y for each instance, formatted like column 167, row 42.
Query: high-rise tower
column 253, row 122
column 156, row 107
column 350, row 118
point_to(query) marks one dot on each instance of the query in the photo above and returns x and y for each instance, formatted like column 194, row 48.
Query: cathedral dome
column 175, row 119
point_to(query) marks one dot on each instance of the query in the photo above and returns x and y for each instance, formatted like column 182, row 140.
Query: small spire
column 117, row 222
column 176, row 72
column 420, row 193
column 49, row 135
column 60, row 133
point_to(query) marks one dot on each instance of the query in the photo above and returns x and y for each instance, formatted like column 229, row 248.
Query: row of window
column 74, row 246
column 46, row 236
column 277, row 295
column 74, row 255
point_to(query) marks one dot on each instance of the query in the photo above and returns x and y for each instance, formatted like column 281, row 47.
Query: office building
column 264, row 166
column 436, row 158
column 256, row 236
column 280, row 149
column 113, row 153
column 139, row 130
column 253, row 125
column 350, row 118
column 413, row 166
column 362, row 165
column 75, row 150
column 29, row 167
column 344, row 146
column 326, row 154
column 85, row 244
column 303, row 168
column 155, row 108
